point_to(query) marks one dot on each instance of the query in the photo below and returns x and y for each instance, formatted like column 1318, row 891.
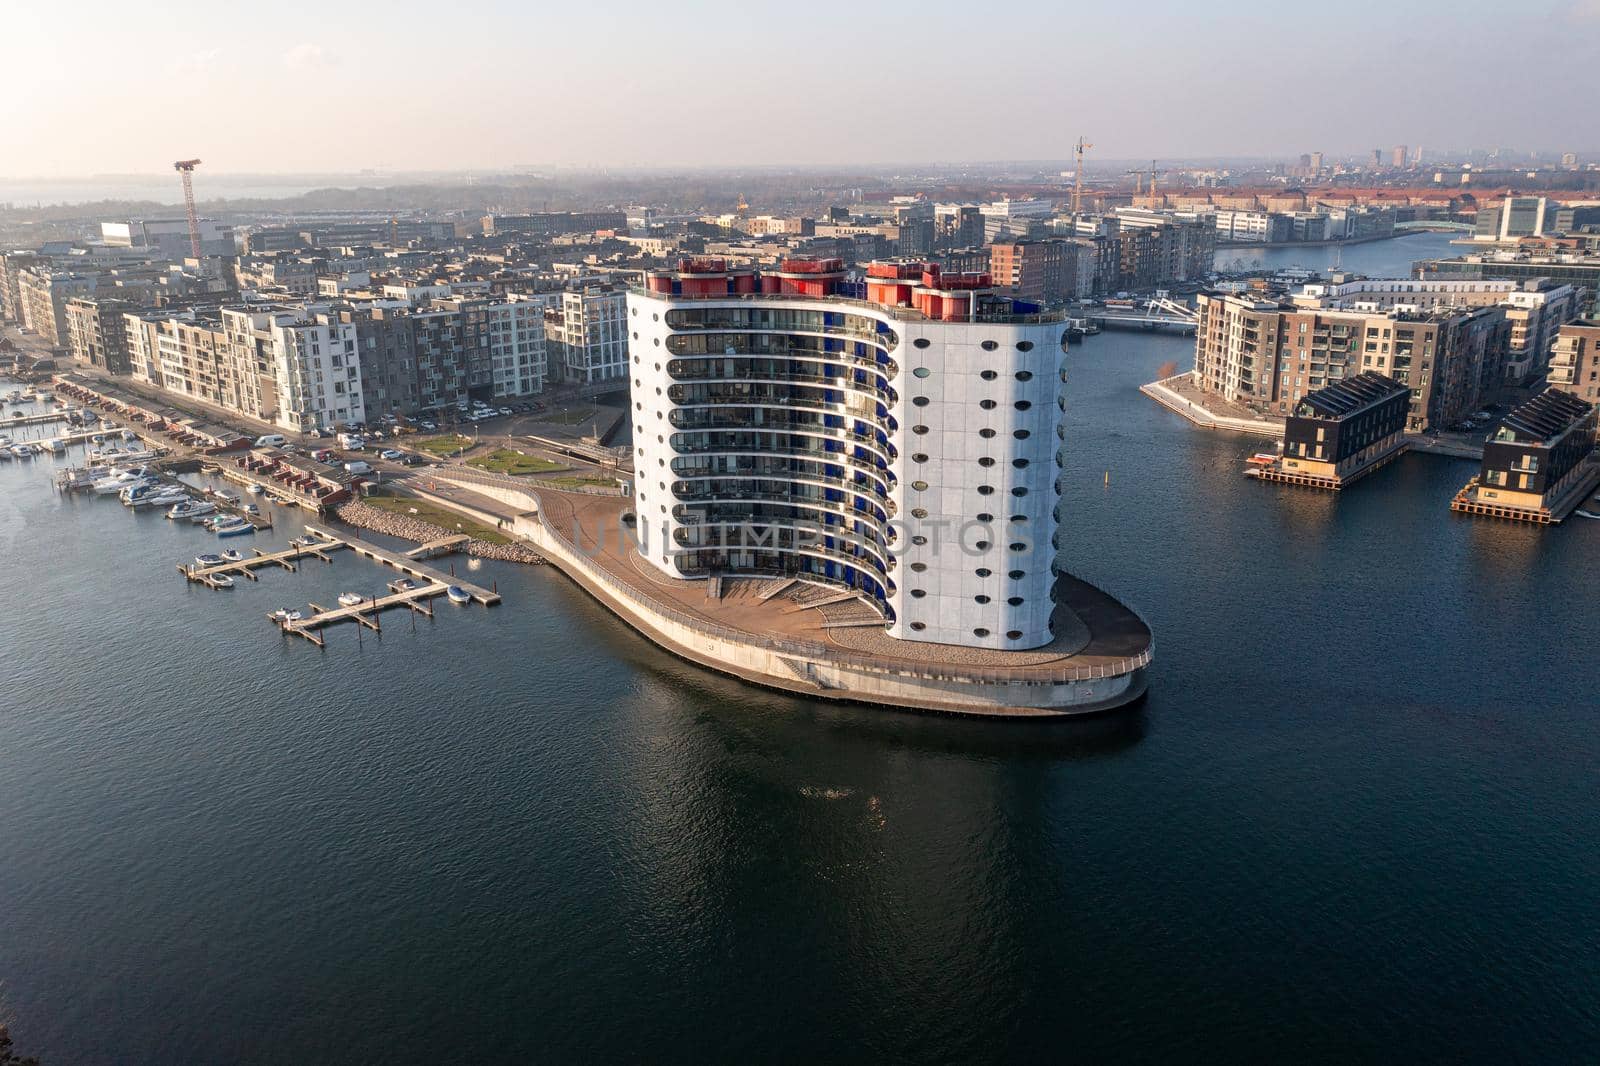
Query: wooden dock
column 1282, row 476
column 365, row 613
column 442, row 546
column 31, row 420
column 248, row 566
column 408, row 566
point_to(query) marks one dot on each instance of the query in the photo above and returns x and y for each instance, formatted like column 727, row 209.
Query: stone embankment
column 410, row 527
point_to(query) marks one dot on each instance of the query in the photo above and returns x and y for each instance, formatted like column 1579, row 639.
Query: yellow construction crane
column 1077, row 175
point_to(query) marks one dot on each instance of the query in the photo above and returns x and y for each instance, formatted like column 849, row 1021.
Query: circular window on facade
column 919, row 626
column 919, row 512
column 657, row 342
column 1022, row 405
column 633, row 310
column 985, row 517
column 981, row 545
column 980, row 598
column 919, row 401
column 986, row 433
column 980, row 632
column 1015, row 601
column 1017, row 575
column 983, row 571
column 988, row 375
column 985, row 490
column 919, row 430
column 1024, row 346
column 919, row 457
column 920, row 342
column 1014, row 634
column 989, row 346
column 986, row 460
column 987, row 405
column 1018, row 546
column 1019, row 491
column 1021, row 434
column 1024, row 375
column 917, row 568
column 1019, row 518
column 919, row 540
column 917, row 594
column 1019, row 463
column 921, row 372
column 919, row 485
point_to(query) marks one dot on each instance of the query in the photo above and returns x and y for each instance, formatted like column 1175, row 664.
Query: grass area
column 575, row 482
column 444, row 517
column 570, row 417
column 507, row 461
column 443, row 446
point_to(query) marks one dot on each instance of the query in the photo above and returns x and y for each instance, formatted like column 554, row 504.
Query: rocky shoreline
column 410, row 527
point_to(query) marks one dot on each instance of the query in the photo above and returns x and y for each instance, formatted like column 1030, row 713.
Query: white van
column 271, row 440
column 351, row 442
column 357, row 467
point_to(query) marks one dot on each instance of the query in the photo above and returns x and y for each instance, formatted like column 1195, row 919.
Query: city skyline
column 336, row 92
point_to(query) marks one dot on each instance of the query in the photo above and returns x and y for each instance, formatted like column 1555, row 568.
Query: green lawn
column 581, row 482
column 443, row 446
column 443, row 517
column 507, row 461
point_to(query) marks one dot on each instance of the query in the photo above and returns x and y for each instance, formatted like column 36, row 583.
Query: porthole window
column 1019, row 491
column 986, row 434
column 1019, row 518
column 919, row 512
column 917, row 594
column 1017, row 575
column 636, row 336
column 983, row 571
column 919, row 457
column 921, row 372
column 919, row 540
column 1024, row 346
column 1022, row 405
column 980, row 632
column 919, row 401
column 1018, row 546
column 987, row 405
column 1024, row 375
column 920, row 342
column 980, row 598
column 919, row 430
column 988, row 375
column 1014, row 634
column 1015, row 601
column 919, row 626
column 1021, row 434
column 657, row 342
column 655, row 317
column 633, row 310
column 989, row 346
column 638, row 407
column 917, row 568
column 985, row 517
column 985, row 490
column 920, row 486
column 1019, row 463
column 982, row 546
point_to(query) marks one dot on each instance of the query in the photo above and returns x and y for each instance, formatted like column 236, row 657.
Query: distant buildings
column 1576, row 269
column 168, row 238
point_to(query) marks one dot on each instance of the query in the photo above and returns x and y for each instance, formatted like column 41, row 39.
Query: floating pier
column 318, row 548
column 411, row 567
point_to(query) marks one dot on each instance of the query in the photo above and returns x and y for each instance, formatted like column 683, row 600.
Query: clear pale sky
column 119, row 87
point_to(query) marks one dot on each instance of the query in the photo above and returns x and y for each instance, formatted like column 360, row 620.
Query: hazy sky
column 119, row 87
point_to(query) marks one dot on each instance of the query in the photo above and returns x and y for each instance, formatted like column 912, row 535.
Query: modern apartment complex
column 902, row 445
column 1268, row 353
column 1575, row 360
column 589, row 333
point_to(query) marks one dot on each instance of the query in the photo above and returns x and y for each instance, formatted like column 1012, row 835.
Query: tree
column 7, row 1057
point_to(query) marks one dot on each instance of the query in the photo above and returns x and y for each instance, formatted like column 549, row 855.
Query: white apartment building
column 592, row 332
column 317, row 371
column 517, row 343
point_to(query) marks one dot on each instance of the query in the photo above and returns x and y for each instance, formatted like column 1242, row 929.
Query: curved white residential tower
column 896, row 437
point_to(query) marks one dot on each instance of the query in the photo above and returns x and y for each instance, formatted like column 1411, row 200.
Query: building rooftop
column 1543, row 418
column 1344, row 398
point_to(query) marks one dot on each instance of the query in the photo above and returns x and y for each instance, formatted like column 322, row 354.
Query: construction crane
column 1077, row 175
column 186, row 167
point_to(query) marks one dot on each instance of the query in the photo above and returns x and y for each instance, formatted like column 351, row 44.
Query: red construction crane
column 186, row 168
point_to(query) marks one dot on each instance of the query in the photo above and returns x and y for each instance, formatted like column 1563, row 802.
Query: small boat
column 208, row 559
column 56, row 444
column 5, row 455
column 350, row 599
column 404, row 584
column 232, row 527
column 221, row 581
column 232, row 555
column 191, row 509
column 284, row 614
column 168, row 498
column 250, row 508
column 224, row 495
column 22, row 452
column 255, row 490
column 457, row 594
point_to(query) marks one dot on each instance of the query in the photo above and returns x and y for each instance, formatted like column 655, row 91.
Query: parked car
column 322, row 455
column 505, row 410
column 412, row 460
column 391, row 454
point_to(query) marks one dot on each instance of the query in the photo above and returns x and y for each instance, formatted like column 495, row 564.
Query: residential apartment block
column 1575, row 360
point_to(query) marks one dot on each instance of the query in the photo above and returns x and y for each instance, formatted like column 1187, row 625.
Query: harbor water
column 1353, row 821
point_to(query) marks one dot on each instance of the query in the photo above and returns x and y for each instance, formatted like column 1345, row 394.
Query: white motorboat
column 351, row 599
column 191, row 509
column 5, row 454
column 457, row 594
column 144, row 488
column 250, row 508
column 232, row 555
column 122, row 479
column 238, row 527
column 221, row 581
column 129, row 435
column 167, row 498
column 208, row 559
column 22, row 451
column 56, row 444
column 284, row 614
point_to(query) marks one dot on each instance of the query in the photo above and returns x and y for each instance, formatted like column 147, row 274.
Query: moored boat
column 192, row 509
column 208, row 559
column 457, row 594
column 350, row 599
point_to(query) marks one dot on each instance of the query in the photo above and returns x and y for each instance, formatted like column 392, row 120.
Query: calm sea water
column 1354, row 821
